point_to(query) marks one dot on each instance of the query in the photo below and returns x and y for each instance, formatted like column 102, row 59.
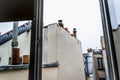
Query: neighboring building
column 88, row 61
column 99, row 69
column 62, row 54
column 95, row 64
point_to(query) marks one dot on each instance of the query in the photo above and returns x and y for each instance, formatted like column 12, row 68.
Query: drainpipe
column 15, row 49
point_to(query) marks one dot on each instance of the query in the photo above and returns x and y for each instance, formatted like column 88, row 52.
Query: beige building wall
column 66, row 50
column 23, row 74
column 70, row 57
column 50, row 73
column 90, row 78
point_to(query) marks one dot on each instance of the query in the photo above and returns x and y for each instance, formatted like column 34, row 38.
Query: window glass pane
column 15, row 50
column 100, row 62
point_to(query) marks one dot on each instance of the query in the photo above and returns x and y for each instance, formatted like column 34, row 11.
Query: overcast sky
column 84, row 15
column 81, row 14
column 6, row 26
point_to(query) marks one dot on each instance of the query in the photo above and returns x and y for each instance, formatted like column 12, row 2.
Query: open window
column 32, row 58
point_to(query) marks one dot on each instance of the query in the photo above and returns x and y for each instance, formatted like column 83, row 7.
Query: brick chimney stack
column 60, row 23
column 74, row 32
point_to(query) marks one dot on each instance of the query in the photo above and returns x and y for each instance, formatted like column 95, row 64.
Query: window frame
column 100, row 63
column 36, row 41
column 101, row 78
column 35, row 68
column 109, row 41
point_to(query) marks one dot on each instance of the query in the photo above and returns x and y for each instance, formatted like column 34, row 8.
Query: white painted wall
column 52, row 43
column 65, row 49
column 70, row 57
column 6, row 48
column 50, row 73
column 14, row 74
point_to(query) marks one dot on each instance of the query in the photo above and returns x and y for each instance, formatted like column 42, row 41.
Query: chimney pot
column 15, row 56
column 89, row 50
column 74, row 32
column 59, row 20
column 25, row 59
column 60, row 23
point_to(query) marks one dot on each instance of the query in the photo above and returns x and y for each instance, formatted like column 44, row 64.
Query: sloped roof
column 8, row 36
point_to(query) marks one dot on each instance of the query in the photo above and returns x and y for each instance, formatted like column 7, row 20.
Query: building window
column 100, row 63
column 101, row 78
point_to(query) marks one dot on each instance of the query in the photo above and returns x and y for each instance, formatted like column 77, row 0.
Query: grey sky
column 81, row 14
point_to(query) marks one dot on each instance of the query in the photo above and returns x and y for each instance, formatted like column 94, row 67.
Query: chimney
column 60, row 23
column 15, row 49
column 74, row 32
column 25, row 59
column 89, row 50
column 15, row 56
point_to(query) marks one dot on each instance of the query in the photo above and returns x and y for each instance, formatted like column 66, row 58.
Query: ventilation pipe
column 15, row 49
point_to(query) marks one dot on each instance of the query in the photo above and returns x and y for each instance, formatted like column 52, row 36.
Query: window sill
column 14, row 67
column 26, row 66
